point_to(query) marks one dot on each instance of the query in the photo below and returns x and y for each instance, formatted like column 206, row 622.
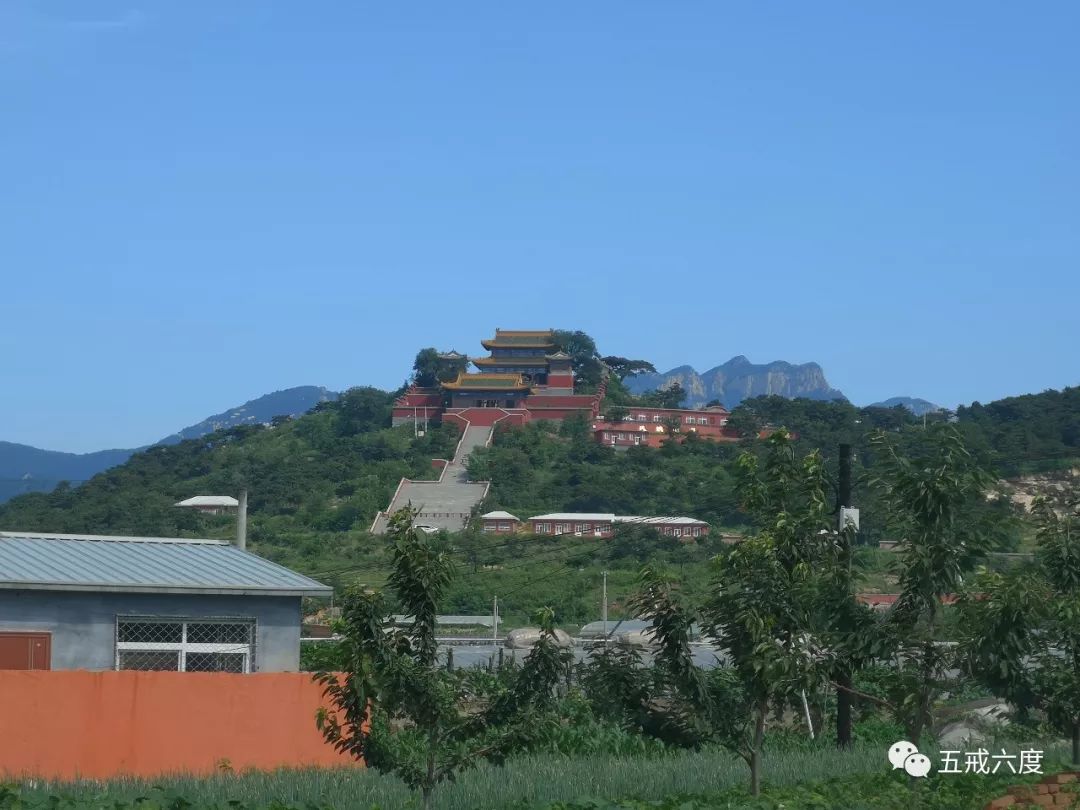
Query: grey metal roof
column 77, row 562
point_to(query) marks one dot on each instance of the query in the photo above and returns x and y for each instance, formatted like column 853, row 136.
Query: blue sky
column 202, row 201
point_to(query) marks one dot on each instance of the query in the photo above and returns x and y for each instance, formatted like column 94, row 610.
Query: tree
column 432, row 367
column 746, row 422
column 624, row 368
column 670, row 397
column 1023, row 627
column 672, row 427
column 451, row 367
column 426, row 368
column 361, row 410
column 928, row 496
column 588, row 370
column 766, row 608
column 396, row 707
column 615, row 414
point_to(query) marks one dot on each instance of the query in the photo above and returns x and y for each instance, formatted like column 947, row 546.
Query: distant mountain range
column 29, row 469
column 290, row 402
column 739, row 379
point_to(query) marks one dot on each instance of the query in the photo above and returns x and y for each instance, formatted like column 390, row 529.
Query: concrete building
column 603, row 524
column 500, row 523
column 651, row 426
column 150, row 603
column 210, row 504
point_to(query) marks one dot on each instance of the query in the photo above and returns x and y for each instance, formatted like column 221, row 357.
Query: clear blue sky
column 201, row 202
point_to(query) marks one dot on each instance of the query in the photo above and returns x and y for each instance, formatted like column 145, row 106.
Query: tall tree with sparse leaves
column 395, row 706
column 929, row 492
column 1022, row 628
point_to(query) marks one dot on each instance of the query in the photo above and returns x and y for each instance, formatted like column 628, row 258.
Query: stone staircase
column 447, row 502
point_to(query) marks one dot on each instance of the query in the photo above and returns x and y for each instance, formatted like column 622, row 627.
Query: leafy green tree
column 672, row 427
column 1022, row 628
column 361, row 410
column 766, row 604
column 669, row 397
column 928, row 495
column 588, row 370
column 429, row 368
column 396, row 707
column 615, row 414
column 623, row 368
column 426, row 367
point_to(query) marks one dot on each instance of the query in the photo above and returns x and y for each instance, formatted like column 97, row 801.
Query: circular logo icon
column 899, row 752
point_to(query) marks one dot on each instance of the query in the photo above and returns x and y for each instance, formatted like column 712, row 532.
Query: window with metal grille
column 185, row 645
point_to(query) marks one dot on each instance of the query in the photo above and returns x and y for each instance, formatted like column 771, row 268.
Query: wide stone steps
column 447, row 502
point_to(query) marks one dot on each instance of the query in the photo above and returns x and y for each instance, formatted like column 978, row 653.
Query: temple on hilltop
column 525, row 377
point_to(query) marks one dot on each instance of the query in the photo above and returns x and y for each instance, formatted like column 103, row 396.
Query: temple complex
column 525, row 377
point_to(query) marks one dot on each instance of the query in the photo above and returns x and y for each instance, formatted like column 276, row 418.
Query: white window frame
column 184, row 646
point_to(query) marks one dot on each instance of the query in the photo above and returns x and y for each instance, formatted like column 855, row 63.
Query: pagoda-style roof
column 559, row 355
column 487, row 382
column 539, row 362
column 452, row 355
column 521, row 339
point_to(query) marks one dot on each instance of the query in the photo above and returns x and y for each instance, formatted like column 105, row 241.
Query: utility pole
column 495, row 621
column 241, row 521
column 604, row 608
column 843, row 675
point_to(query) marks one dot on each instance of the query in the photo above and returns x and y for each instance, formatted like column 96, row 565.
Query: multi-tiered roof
column 542, row 339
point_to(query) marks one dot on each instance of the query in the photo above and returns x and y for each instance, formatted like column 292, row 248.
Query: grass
column 532, row 780
column 811, row 776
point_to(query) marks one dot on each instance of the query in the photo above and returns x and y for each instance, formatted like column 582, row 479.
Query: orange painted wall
column 64, row 725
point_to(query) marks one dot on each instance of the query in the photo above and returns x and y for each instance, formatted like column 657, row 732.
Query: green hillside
column 317, row 481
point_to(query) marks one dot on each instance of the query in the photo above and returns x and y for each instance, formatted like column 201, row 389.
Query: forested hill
column 1015, row 435
column 317, row 481
column 310, row 479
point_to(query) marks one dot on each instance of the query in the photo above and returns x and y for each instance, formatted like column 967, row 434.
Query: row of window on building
column 583, row 524
column 689, row 420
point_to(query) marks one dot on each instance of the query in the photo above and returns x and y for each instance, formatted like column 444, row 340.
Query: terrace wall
column 79, row 724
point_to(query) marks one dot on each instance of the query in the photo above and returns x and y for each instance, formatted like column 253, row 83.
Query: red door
column 25, row 651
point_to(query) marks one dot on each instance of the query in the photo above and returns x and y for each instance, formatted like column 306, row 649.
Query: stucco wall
column 83, row 625
column 105, row 725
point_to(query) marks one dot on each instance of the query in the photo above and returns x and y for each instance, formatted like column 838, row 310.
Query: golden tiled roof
column 519, row 338
column 487, row 382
